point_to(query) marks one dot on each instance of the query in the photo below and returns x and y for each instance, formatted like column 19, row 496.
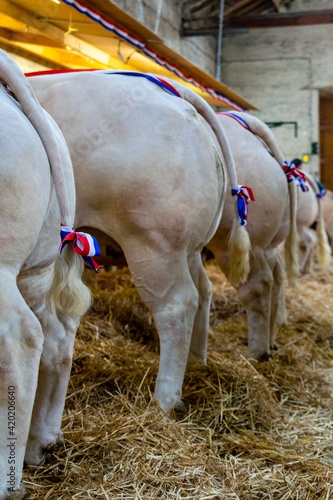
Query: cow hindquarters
column 21, row 342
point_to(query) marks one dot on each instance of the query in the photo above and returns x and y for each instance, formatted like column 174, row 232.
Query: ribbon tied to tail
column 83, row 244
column 294, row 173
column 322, row 190
column 244, row 195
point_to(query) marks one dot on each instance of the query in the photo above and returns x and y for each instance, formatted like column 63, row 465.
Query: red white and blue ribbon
column 83, row 244
column 244, row 195
column 322, row 190
column 155, row 79
column 135, row 42
column 238, row 119
column 294, row 173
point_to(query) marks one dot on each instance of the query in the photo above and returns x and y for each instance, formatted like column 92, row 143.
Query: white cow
column 149, row 177
column 262, row 295
column 35, row 341
column 327, row 208
column 309, row 212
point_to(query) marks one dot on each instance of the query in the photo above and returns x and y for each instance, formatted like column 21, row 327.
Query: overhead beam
column 305, row 18
column 165, row 53
column 26, row 37
column 154, row 48
column 202, row 5
column 120, row 18
column 279, row 5
column 27, row 54
column 238, row 5
column 255, row 4
column 55, row 34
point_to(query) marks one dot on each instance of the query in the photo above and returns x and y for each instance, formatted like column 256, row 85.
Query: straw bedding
column 250, row 431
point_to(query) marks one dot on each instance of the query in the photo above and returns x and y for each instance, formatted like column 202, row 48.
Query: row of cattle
column 154, row 167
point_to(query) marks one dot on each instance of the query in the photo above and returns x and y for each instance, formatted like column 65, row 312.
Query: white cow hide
column 35, row 343
column 149, row 177
column 271, row 219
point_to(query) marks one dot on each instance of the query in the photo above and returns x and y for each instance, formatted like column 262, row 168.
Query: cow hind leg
column 198, row 347
column 21, row 342
column 165, row 284
column 307, row 244
column 278, row 306
column 54, row 371
column 282, row 316
column 255, row 296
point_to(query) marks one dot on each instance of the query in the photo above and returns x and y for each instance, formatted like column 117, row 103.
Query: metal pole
column 158, row 16
column 219, row 42
column 140, row 11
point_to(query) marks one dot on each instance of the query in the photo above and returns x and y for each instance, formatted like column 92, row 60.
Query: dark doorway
column 326, row 137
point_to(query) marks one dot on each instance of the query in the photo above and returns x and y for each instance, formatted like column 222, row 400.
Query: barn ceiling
column 96, row 34
column 202, row 17
column 59, row 33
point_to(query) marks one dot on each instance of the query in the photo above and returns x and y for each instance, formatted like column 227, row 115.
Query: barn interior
column 250, row 430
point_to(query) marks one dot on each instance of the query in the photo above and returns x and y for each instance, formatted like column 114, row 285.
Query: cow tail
column 239, row 245
column 291, row 243
column 323, row 249
column 324, row 255
column 12, row 75
column 68, row 294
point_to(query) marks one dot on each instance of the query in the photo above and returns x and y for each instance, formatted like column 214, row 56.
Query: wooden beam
column 202, row 5
column 61, row 58
column 55, row 34
column 152, row 42
column 305, row 18
column 27, row 37
column 27, row 54
column 279, row 5
column 121, row 19
column 232, row 8
column 94, row 56
column 255, row 4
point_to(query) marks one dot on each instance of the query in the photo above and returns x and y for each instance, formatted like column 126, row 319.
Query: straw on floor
column 251, row 431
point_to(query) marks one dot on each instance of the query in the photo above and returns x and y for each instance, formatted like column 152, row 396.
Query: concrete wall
column 201, row 51
column 281, row 71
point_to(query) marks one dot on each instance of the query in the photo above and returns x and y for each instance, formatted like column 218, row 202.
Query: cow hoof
column 50, row 449
column 195, row 358
column 38, row 454
column 266, row 356
column 180, row 407
column 274, row 347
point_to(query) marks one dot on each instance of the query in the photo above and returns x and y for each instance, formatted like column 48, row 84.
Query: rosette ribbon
column 244, row 195
column 83, row 244
column 294, row 173
column 322, row 190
